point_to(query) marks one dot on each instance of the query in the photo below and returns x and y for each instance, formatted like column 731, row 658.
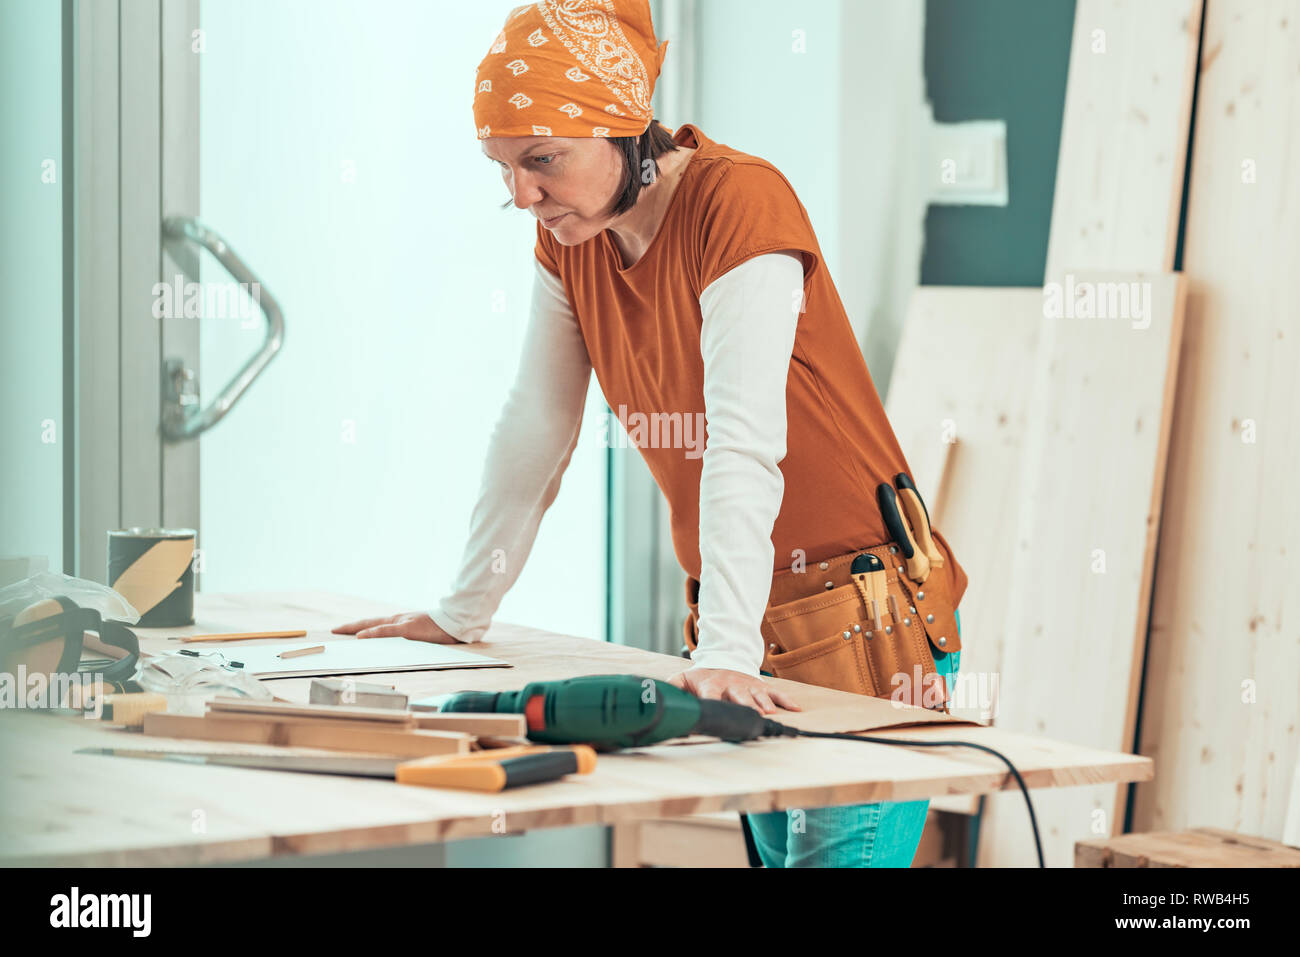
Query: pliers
column 920, row 556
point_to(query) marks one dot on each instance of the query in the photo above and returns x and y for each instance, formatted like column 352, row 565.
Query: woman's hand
column 733, row 686
column 414, row 625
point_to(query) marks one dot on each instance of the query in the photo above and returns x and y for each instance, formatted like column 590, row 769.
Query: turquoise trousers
column 883, row 834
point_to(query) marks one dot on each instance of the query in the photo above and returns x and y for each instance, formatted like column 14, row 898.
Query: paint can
column 153, row 569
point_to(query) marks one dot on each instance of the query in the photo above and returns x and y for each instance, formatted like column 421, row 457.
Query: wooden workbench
column 65, row 808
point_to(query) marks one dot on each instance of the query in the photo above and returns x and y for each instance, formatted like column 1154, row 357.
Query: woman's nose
column 526, row 192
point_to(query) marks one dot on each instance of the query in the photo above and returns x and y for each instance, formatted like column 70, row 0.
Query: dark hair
column 636, row 151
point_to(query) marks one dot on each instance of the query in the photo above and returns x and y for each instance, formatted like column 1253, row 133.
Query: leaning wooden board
column 1220, row 712
column 129, row 811
column 1083, row 560
column 958, row 406
column 1118, row 187
column 1128, row 102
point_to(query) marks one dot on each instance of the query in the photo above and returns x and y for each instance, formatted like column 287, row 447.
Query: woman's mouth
column 548, row 223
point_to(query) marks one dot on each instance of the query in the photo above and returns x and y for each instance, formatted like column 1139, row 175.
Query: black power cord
column 776, row 728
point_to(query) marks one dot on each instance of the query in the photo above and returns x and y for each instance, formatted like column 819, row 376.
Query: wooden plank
column 331, row 712
column 494, row 725
column 1091, row 486
column 939, row 840
column 255, row 718
column 1201, row 847
column 346, row 691
column 316, row 735
column 1220, row 711
column 1119, row 176
column 958, row 404
column 689, row 842
column 625, row 845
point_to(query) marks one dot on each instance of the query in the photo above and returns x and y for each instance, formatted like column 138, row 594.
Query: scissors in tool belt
column 920, row 555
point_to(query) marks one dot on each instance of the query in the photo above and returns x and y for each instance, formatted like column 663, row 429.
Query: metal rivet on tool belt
column 857, row 628
column 907, row 621
column 912, row 609
column 771, row 647
column 929, row 619
column 943, row 642
column 893, row 549
column 900, row 569
column 848, row 635
column 889, row 629
column 824, row 566
column 830, row 584
column 920, row 596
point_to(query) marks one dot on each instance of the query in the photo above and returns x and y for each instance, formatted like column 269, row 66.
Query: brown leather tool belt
column 870, row 633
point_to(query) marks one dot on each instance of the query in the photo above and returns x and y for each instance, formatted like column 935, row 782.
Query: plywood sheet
column 957, row 402
column 1221, row 715
column 1090, row 495
column 1119, row 176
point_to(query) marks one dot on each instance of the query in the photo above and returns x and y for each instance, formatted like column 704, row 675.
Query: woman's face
column 573, row 178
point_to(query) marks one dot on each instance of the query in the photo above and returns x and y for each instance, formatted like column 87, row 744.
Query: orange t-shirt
column 641, row 325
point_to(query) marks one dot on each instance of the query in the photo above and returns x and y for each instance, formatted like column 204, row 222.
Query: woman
column 687, row 275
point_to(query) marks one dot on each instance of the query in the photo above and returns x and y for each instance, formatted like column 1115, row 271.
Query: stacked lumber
column 386, row 731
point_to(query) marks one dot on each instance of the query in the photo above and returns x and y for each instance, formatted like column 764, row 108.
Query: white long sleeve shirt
column 747, row 338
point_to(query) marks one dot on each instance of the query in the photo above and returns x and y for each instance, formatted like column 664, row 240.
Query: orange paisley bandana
column 570, row 68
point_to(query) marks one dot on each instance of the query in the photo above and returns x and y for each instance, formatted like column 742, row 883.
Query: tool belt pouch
column 820, row 628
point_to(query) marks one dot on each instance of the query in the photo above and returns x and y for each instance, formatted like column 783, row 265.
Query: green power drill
column 628, row 711
column 617, row 711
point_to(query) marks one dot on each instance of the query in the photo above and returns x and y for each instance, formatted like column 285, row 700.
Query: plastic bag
column 189, row 680
column 110, row 604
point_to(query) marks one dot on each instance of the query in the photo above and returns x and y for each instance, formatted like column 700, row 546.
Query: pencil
column 240, row 635
column 297, row 652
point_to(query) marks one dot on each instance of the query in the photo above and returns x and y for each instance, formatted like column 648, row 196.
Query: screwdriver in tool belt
column 872, row 578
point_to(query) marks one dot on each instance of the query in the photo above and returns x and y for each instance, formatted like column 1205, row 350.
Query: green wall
column 998, row 59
